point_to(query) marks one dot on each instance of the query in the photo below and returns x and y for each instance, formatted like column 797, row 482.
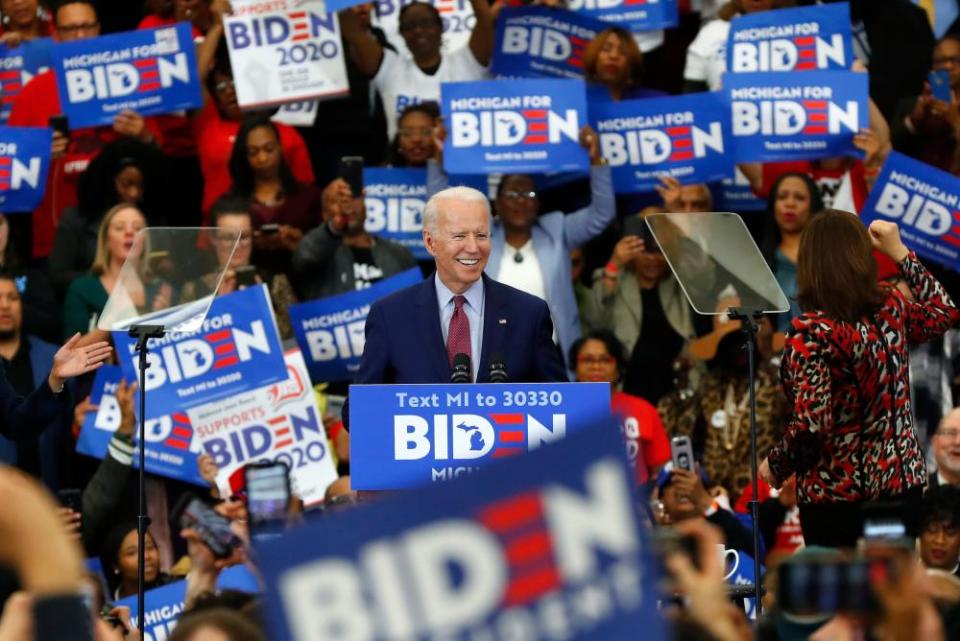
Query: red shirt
column 37, row 102
column 643, row 432
column 215, row 137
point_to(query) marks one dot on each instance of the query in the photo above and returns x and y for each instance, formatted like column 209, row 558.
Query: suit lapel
column 431, row 338
column 493, row 329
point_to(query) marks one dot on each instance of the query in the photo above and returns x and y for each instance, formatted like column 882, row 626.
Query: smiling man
column 413, row 335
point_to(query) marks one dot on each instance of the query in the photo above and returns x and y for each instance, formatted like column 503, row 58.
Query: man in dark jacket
column 340, row 256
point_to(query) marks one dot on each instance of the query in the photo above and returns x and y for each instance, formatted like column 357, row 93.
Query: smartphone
column 666, row 541
column 882, row 524
column 270, row 228
column 72, row 499
column 213, row 528
column 681, row 450
column 268, row 492
column 939, row 81
column 351, row 170
column 59, row 124
column 246, row 275
column 814, row 585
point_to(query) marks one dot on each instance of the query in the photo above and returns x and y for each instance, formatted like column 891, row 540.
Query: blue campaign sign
column 24, row 162
column 236, row 350
column 165, row 604
column 330, row 331
column 542, row 42
column 508, row 126
column 797, row 39
column 171, row 451
column 509, row 553
column 395, row 200
column 409, row 435
column 634, row 15
column 735, row 194
column 685, row 137
column 150, row 71
column 924, row 202
column 795, row 116
column 18, row 66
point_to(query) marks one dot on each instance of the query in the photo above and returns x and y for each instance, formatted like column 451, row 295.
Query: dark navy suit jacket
column 404, row 342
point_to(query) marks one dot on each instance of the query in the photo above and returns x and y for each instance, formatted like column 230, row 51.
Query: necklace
column 734, row 412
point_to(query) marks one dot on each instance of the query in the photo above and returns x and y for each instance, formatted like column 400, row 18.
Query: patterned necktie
column 458, row 336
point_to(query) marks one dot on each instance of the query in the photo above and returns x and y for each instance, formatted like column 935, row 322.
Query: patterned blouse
column 851, row 436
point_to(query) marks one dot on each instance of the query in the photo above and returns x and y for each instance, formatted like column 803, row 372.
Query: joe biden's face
column 460, row 244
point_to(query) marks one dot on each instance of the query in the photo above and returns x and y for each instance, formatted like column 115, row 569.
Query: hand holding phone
column 351, row 170
column 939, row 80
column 212, row 528
column 681, row 450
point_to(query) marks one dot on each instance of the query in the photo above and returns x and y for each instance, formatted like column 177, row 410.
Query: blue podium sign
column 409, row 435
column 541, row 548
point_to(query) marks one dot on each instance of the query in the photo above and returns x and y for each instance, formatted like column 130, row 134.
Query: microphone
column 460, row 373
column 498, row 369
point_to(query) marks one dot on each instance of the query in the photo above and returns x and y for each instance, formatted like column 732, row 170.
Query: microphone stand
column 749, row 320
column 143, row 333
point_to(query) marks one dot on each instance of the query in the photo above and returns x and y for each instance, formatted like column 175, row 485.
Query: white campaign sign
column 297, row 114
column 276, row 423
column 285, row 51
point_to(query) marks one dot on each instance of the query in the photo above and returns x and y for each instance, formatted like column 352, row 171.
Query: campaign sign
column 679, row 136
column 798, row 39
column 150, row 71
column 275, row 423
column 395, row 200
column 735, row 194
column 297, row 114
column 542, row 42
column 285, row 56
column 456, row 15
column 924, row 202
column 547, row 546
column 330, row 331
column 18, row 66
column 171, row 450
column 165, row 604
column 509, row 126
column 237, row 349
column 24, row 162
column 409, row 435
column 633, row 15
column 795, row 116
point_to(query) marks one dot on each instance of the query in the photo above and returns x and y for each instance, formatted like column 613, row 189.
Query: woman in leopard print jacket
column 851, row 439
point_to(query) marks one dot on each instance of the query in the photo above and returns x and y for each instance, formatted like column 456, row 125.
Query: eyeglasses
column 413, row 25
column 413, row 132
column 940, row 61
column 520, row 195
column 223, row 86
column 595, row 360
column 77, row 28
column 950, row 434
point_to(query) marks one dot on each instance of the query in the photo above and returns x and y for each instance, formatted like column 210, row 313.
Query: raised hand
column 73, row 360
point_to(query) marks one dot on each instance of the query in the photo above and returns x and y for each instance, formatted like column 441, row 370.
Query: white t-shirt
column 402, row 83
column 707, row 54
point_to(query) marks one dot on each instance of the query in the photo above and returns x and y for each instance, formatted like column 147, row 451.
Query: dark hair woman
column 413, row 145
column 613, row 65
column 794, row 200
column 282, row 208
column 850, row 439
column 599, row 357
column 119, row 559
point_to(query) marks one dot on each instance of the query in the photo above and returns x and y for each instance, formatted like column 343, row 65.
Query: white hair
column 431, row 211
